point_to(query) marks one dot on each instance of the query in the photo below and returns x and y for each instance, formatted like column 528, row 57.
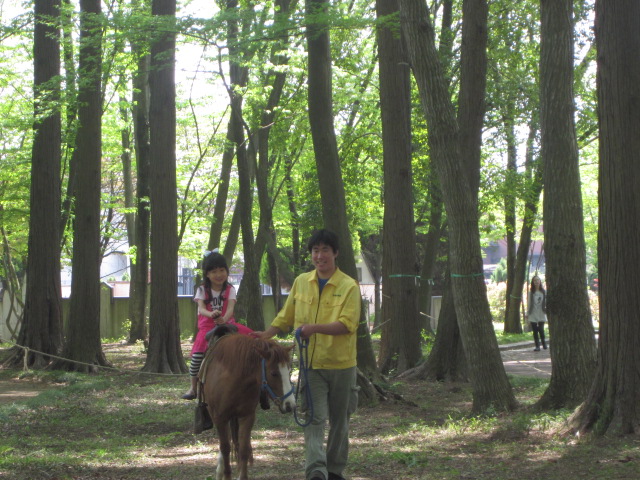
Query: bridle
column 267, row 388
column 303, row 353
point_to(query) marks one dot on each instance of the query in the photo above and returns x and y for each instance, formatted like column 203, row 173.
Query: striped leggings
column 196, row 361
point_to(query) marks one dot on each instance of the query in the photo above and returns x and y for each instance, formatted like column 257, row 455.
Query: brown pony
column 238, row 369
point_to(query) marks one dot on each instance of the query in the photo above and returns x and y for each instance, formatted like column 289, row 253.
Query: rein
column 303, row 353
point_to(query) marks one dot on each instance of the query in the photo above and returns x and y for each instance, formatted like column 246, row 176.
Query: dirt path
column 522, row 360
column 12, row 391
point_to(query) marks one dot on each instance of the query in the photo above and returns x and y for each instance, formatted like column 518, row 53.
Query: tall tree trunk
column 83, row 328
column 165, row 354
column 486, row 371
column 399, row 261
column 612, row 403
column 334, row 210
column 573, row 353
column 432, row 241
column 70, row 101
column 249, row 305
column 41, row 330
column 473, row 82
column 138, row 293
column 266, row 230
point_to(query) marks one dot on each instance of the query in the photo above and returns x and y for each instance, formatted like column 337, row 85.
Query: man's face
column 324, row 259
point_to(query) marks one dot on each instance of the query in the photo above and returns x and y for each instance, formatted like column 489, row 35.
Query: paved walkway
column 520, row 359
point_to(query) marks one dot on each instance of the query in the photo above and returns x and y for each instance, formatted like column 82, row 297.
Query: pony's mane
column 240, row 353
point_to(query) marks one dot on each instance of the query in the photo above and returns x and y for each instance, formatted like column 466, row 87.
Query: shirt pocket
column 334, row 301
column 303, row 309
column 302, row 299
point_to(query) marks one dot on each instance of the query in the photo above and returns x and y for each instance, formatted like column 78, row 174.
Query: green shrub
column 497, row 294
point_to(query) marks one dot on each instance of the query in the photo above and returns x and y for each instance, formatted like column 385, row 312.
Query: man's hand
column 267, row 334
column 334, row 328
column 307, row 330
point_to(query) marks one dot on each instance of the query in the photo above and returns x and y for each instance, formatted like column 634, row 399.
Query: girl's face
column 536, row 282
column 217, row 277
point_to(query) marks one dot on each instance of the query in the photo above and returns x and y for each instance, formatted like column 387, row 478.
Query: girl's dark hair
column 326, row 237
column 211, row 262
column 532, row 287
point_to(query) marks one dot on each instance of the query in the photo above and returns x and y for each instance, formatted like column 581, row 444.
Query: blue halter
column 265, row 386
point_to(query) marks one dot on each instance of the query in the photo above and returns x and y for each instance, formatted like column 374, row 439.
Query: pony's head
column 276, row 374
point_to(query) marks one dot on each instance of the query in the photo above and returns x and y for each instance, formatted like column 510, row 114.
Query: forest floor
column 125, row 425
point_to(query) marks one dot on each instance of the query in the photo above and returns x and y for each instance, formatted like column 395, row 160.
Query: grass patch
column 129, row 426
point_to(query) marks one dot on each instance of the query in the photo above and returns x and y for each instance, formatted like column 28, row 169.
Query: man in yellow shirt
column 324, row 305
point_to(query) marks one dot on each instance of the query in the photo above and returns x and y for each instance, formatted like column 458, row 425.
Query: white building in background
column 114, row 270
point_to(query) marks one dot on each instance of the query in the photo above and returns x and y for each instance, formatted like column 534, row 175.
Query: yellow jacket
column 340, row 301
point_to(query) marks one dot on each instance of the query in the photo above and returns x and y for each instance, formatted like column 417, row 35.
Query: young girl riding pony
column 216, row 299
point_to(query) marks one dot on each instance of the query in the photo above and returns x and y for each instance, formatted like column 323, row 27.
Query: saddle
column 212, row 338
column 219, row 331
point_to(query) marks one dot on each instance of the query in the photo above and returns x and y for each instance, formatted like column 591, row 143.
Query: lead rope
column 303, row 354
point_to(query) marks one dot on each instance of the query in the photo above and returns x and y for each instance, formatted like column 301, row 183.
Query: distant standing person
column 325, row 305
column 537, row 311
column 216, row 299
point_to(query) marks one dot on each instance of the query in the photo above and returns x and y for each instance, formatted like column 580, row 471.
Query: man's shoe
column 537, row 349
column 189, row 396
column 317, row 476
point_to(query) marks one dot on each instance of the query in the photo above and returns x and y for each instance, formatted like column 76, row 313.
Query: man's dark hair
column 323, row 236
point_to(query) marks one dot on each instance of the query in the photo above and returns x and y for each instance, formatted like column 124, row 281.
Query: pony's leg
column 245, row 452
column 223, row 472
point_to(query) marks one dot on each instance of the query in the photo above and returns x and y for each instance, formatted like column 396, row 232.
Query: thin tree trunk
column 370, row 246
column 138, row 291
column 510, row 213
column 295, row 217
column 432, row 244
column 220, row 207
column 512, row 322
